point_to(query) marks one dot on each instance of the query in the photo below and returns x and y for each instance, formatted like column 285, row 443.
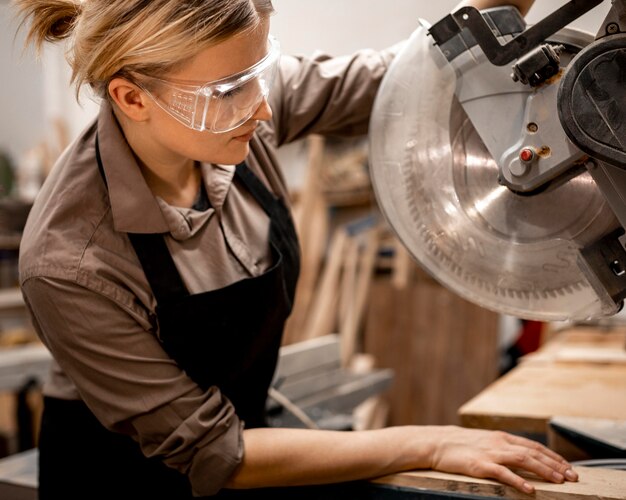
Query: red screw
column 527, row 155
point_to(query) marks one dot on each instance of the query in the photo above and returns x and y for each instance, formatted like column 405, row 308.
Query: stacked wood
column 330, row 244
column 360, row 282
column 443, row 349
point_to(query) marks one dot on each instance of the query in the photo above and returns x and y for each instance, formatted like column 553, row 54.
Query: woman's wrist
column 417, row 446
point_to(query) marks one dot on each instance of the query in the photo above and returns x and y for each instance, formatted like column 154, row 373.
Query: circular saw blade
column 437, row 186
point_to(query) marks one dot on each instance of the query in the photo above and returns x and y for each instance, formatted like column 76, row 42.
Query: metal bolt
column 591, row 164
column 532, row 128
column 612, row 28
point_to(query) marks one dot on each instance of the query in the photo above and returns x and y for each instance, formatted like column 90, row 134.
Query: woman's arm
column 291, row 457
column 522, row 5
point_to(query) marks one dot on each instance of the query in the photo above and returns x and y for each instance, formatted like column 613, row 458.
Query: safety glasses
column 221, row 105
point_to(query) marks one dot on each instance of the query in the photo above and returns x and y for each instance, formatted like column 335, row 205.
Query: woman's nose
column 263, row 112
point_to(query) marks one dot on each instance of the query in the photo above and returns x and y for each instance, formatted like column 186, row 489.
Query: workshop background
column 357, row 279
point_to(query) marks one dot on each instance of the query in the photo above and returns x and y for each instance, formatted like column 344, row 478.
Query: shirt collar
column 133, row 206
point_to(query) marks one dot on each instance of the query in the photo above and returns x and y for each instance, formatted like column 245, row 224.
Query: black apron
column 228, row 338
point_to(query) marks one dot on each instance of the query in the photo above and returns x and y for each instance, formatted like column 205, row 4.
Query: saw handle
column 498, row 54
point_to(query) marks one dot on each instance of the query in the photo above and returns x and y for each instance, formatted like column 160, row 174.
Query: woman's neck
column 171, row 177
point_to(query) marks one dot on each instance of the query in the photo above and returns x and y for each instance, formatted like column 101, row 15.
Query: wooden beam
column 594, row 484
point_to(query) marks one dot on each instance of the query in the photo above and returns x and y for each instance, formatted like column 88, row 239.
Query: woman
column 159, row 262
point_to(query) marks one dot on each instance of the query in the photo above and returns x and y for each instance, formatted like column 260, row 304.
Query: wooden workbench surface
column 594, row 484
column 580, row 373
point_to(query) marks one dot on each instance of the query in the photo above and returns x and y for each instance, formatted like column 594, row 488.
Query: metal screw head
column 532, row 128
column 527, row 155
column 612, row 28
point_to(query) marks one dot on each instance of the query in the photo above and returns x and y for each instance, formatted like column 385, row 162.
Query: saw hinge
column 538, row 65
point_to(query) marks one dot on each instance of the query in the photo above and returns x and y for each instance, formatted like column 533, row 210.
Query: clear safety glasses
column 221, row 105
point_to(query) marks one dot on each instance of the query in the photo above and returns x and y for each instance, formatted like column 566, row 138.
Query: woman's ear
column 130, row 99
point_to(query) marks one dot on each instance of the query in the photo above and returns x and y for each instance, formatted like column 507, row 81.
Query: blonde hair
column 109, row 38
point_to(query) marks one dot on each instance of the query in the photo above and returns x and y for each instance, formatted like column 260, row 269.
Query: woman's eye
column 231, row 93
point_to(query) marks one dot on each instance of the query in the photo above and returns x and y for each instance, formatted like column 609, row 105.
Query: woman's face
column 174, row 141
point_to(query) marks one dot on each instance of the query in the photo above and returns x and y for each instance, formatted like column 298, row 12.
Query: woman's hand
column 492, row 454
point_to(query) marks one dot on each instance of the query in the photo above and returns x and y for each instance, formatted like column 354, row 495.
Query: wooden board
column 582, row 345
column 594, row 484
column 527, row 397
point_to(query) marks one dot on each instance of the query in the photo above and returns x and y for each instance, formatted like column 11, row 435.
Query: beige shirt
column 88, row 296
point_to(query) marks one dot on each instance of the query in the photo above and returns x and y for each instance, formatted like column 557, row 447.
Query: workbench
column 580, row 372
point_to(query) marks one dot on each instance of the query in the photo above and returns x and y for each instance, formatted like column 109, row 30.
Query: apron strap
column 158, row 266
column 254, row 185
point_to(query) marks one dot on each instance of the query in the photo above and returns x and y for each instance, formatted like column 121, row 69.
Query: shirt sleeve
column 132, row 386
column 327, row 95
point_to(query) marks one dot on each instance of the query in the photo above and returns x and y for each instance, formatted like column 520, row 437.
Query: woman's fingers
column 536, row 446
column 500, row 468
column 505, row 476
column 542, row 466
column 554, row 461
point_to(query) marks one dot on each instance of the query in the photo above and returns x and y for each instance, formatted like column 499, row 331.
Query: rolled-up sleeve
column 327, row 95
column 131, row 385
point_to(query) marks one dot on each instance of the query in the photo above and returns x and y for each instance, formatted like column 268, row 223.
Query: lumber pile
column 358, row 281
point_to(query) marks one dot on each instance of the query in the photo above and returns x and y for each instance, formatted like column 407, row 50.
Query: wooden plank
column 347, row 310
column 322, row 315
column 350, row 328
column 594, row 484
column 311, row 221
column 527, row 397
column 582, row 345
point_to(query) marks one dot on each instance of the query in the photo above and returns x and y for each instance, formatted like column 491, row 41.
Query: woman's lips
column 244, row 137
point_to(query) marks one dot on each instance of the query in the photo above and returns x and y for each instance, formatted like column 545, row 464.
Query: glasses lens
column 232, row 108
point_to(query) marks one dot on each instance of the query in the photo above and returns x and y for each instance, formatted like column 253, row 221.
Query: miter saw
column 498, row 156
